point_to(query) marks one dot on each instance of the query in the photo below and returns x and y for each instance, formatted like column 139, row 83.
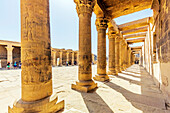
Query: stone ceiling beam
column 135, row 30
column 136, row 40
column 117, row 8
column 137, row 35
column 4, row 42
column 134, row 24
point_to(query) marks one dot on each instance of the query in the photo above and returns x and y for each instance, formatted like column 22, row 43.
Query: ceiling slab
column 117, row 8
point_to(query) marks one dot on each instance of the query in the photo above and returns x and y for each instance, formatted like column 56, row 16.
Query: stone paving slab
column 132, row 91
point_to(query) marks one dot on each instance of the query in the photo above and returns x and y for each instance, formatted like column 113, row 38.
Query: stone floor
column 132, row 91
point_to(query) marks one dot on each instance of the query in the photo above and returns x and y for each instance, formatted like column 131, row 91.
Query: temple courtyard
column 132, row 91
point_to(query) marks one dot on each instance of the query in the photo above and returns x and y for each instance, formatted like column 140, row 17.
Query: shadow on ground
column 95, row 103
column 147, row 101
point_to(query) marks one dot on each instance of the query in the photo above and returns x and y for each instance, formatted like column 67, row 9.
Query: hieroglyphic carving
column 35, row 50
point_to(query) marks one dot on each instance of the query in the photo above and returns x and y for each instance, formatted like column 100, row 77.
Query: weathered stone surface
column 132, row 91
column 84, row 10
column 101, row 25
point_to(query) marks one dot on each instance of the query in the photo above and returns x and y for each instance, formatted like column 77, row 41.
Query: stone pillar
column 124, row 55
column 121, row 54
column 9, row 54
column 67, row 57
column 77, row 58
column 118, row 54
column 61, row 57
column 85, row 82
column 129, row 57
column 112, row 52
column 0, row 64
column 101, row 25
column 72, row 59
column 36, row 75
column 54, row 58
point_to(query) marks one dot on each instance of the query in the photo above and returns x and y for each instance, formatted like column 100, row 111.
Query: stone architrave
column 9, row 54
column 36, row 75
column 61, row 57
column 72, row 59
column 85, row 82
column 101, row 25
column 112, row 52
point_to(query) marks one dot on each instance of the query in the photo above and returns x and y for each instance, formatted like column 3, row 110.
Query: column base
column 84, row 86
column 46, row 105
column 121, row 69
column 60, row 65
column 101, row 78
column 112, row 72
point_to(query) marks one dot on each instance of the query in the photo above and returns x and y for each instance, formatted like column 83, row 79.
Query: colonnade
column 120, row 54
column 36, row 75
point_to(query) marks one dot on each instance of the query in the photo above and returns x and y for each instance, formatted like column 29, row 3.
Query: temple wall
column 161, row 68
column 3, row 55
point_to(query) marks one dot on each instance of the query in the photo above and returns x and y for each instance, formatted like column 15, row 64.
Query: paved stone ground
column 132, row 91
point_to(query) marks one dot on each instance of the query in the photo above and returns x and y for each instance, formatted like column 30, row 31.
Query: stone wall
column 3, row 55
column 161, row 10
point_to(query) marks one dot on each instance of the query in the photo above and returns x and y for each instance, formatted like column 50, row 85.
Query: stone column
column 84, row 10
column 129, row 57
column 36, row 75
column 9, row 54
column 72, row 59
column 121, row 54
column 101, row 25
column 112, row 52
column 67, row 57
column 61, row 57
column 118, row 54
column 54, row 58
column 77, row 58
column 0, row 64
column 126, row 56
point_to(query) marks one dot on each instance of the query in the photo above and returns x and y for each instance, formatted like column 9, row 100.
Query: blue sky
column 63, row 19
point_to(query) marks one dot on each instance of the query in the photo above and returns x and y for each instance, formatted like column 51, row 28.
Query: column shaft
column 54, row 58
column 101, row 25
column 112, row 55
column 36, row 75
column 9, row 54
column 67, row 57
column 85, row 82
column 72, row 59
column 118, row 55
column 61, row 57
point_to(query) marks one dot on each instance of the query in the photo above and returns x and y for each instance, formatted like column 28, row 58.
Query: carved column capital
column 101, row 23
column 84, row 6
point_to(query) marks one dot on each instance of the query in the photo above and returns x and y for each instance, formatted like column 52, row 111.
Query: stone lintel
column 134, row 24
column 135, row 30
column 135, row 40
column 137, row 35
